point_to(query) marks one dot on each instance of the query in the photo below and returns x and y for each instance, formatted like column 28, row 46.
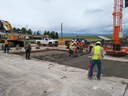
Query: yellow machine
column 7, row 29
column 7, row 25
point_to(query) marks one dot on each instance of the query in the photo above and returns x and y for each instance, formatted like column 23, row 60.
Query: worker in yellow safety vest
column 97, row 56
column 71, row 48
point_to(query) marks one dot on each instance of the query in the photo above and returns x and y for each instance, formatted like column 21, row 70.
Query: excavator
column 5, row 25
column 7, row 30
column 116, row 47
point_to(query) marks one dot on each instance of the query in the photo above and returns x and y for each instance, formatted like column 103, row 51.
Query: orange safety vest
column 6, row 42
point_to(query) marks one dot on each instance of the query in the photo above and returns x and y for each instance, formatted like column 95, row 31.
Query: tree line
column 23, row 30
column 52, row 34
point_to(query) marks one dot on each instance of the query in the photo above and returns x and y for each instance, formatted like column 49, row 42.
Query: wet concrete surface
column 109, row 67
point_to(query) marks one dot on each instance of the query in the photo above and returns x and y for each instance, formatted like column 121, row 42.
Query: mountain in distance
column 105, row 33
column 82, row 34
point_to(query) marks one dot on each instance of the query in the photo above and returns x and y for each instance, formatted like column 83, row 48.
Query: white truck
column 47, row 41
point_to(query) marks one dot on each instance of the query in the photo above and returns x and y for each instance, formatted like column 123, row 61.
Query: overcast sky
column 76, row 15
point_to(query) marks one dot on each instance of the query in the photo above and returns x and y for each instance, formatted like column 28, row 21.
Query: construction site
column 52, row 71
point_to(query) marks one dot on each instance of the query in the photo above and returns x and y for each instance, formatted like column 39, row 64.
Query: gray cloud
column 93, row 11
column 76, row 15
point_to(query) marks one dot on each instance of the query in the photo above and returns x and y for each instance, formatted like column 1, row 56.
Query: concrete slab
column 121, row 59
column 21, row 77
column 60, row 47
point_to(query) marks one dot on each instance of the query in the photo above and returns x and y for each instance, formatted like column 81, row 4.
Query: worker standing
column 75, row 49
column 6, row 46
column 27, row 46
column 97, row 56
column 71, row 48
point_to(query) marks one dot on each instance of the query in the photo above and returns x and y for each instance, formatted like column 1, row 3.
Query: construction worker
column 76, row 49
column 27, row 46
column 71, row 48
column 6, row 47
column 97, row 56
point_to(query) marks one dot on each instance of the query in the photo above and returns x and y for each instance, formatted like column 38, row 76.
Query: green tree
column 14, row 29
column 18, row 30
column 29, row 31
column 52, row 35
column 56, row 35
column 45, row 32
column 38, row 33
column 34, row 33
column 23, row 29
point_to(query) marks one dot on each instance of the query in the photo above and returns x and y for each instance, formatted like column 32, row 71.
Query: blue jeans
column 6, row 48
column 93, row 62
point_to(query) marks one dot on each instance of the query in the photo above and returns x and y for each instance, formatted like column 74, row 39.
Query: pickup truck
column 47, row 41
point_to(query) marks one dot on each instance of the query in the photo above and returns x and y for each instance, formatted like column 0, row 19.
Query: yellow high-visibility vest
column 97, row 53
column 71, row 46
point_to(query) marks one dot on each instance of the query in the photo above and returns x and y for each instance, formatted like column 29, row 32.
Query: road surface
column 21, row 77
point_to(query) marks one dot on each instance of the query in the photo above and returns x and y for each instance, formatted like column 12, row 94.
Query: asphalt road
column 109, row 67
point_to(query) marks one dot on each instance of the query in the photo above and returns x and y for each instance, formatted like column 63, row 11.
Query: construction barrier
column 61, row 42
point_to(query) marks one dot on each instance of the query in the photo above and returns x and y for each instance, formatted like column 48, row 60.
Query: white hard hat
column 98, row 42
column 26, row 37
column 74, row 42
column 82, row 40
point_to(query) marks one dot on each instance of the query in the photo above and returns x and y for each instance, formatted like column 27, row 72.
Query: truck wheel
column 50, row 44
column 38, row 43
column 56, row 45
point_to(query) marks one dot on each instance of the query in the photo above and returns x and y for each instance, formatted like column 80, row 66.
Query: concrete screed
column 21, row 77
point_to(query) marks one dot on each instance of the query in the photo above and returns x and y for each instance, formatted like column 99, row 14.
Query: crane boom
column 5, row 26
column 117, row 23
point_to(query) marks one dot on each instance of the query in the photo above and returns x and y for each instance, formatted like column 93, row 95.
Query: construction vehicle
column 47, row 41
column 7, row 33
column 116, row 47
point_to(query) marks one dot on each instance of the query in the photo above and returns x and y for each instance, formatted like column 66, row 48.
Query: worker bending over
column 97, row 56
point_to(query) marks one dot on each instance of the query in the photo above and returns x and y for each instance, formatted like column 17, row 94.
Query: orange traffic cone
column 89, row 65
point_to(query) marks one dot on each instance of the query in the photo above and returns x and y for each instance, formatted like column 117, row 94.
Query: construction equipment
column 7, row 33
column 7, row 26
column 116, row 47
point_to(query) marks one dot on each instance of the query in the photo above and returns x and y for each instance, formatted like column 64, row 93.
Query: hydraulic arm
column 5, row 26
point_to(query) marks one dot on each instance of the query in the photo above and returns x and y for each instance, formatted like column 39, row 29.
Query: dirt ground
column 109, row 68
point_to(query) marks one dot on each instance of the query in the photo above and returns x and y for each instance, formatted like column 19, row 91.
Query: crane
column 117, row 49
column 117, row 24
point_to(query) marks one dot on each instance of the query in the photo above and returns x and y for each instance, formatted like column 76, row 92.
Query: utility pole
column 61, row 31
